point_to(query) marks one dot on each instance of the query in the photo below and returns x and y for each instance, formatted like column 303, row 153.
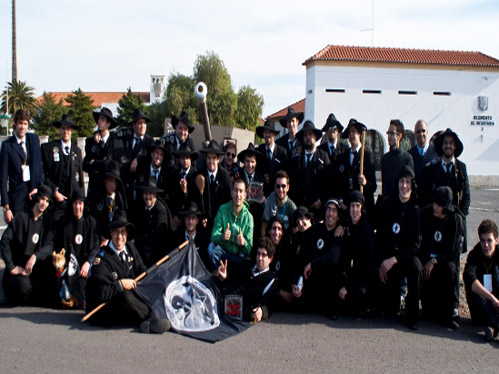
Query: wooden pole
column 363, row 141
column 140, row 277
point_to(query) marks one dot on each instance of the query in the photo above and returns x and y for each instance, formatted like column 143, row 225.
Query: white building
column 452, row 89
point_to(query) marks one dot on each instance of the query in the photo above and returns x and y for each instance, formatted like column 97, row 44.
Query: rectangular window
column 371, row 91
column 441, row 93
column 335, row 90
column 405, row 92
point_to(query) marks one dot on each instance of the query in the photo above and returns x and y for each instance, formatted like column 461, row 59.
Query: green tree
column 179, row 96
column 20, row 96
column 249, row 108
column 48, row 112
column 126, row 106
column 157, row 113
column 80, row 110
column 222, row 100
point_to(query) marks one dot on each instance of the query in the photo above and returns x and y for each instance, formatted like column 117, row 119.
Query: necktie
column 123, row 257
column 250, row 178
column 110, row 202
column 101, row 143
column 449, row 167
column 291, row 145
column 137, row 142
column 21, row 145
column 183, row 174
column 269, row 154
column 66, row 150
column 212, row 179
column 309, row 159
column 421, row 152
column 155, row 175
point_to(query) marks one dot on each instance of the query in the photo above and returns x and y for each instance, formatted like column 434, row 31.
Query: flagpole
column 140, row 277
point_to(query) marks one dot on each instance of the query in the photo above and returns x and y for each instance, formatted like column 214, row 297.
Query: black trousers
column 482, row 311
column 439, row 294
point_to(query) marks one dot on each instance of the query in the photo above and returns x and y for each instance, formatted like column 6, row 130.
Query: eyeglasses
column 420, row 131
column 391, row 133
column 230, row 154
column 279, row 186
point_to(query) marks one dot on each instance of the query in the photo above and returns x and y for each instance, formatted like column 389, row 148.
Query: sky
column 110, row 45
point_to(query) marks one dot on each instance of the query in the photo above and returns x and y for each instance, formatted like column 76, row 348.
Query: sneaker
column 159, row 326
column 489, row 334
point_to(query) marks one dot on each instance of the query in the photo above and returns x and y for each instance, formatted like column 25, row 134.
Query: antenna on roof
column 372, row 24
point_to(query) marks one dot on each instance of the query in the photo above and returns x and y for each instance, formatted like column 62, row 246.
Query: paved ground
column 44, row 340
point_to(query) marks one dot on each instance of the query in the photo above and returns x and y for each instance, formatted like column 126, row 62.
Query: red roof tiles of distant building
column 99, row 98
column 299, row 107
column 403, row 55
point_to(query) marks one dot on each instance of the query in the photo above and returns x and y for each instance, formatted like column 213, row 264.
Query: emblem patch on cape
column 78, row 239
column 396, row 228
column 437, row 236
column 35, row 238
column 320, row 244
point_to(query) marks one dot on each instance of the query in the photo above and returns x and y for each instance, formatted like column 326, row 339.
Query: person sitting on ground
column 232, row 234
column 318, row 265
column 256, row 284
column 26, row 244
column 481, row 279
column 112, row 281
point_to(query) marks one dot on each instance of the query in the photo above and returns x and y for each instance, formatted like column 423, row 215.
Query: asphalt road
column 45, row 340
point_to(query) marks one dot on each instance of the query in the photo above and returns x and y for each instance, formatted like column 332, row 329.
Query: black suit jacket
column 306, row 189
column 178, row 199
column 283, row 142
column 279, row 162
column 52, row 155
column 13, row 190
column 213, row 196
column 96, row 159
column 164, row 181
column 340, row 148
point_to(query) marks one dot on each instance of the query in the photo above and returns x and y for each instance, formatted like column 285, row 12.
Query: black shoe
column 489, row 334
column 412, row 324
column 453, row 325
column 156, row 326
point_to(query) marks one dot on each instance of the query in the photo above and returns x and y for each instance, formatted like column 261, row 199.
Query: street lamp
column 4, row 120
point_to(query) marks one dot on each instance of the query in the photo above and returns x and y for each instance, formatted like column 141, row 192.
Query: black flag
column 184, row 292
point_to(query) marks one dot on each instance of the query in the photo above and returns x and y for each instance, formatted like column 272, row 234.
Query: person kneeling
column 257, row 285
column 112, row 281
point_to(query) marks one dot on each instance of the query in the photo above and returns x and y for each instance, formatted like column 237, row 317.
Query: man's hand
column 495, row 303
column 84, row 269
column 339, row 232
column 97, row 137
column 183, row 185
column 343, row 293
column 33, row 191
column 308, row 271
column 428, row 269
column 29, row 264
column 296, row 291
column 227, row 233
column 103, row 242
column 133, row 165
column 257, row 314
column 59, row 197
column 385, row 268
column 128, row 284
column 8, row 216
column 362, row 180
column 222, row 270
column 18, row 270
column 240, row 238
column 316, row 205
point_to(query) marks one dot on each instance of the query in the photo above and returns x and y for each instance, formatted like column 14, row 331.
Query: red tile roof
column 299, row 106
column 403, row 55
column 99, row 97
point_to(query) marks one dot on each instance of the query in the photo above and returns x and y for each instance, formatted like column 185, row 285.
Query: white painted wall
column 481, row 143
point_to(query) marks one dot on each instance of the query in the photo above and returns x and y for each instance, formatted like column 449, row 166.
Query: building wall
column 420, row 101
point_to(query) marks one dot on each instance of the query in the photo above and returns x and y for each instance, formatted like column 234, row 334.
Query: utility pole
column 14, row 43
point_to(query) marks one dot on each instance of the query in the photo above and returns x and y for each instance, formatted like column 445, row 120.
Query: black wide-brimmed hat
column 182, row 118
column 309, row 126
column 138, row 114
column 212, row 147
column 120, row 220
column 353, row 123
column 161, row 144
column 290, row 115
column 186, row 150
column 112, row 170
column 251, row 151
column 66, row 121
column 443, row 197
column 149, row 186
column 78, row 194
column 269, row 125
column 191, row 208
column 439, row 141
column 108, row 114
column 46, row 191
column 332, row 122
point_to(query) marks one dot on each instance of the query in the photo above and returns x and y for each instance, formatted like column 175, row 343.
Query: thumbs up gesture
column 227, row 233
column 240, row 238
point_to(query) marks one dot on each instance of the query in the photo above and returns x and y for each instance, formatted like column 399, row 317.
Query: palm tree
column 20, row 95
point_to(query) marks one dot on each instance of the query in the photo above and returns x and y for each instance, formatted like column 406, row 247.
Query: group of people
column 291, row 224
